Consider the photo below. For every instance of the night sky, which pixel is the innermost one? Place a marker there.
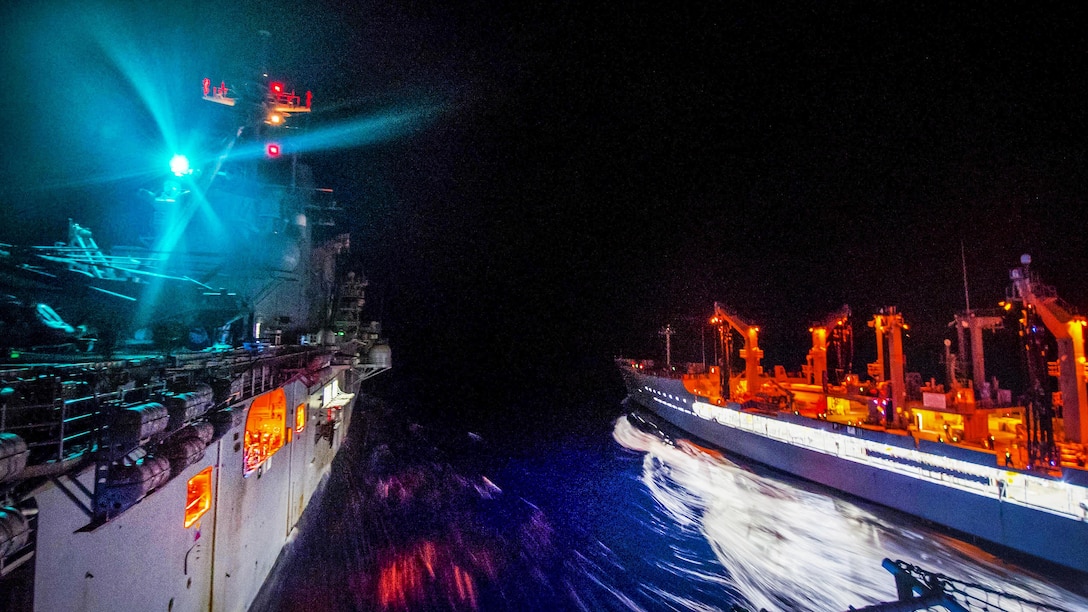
(579, 174)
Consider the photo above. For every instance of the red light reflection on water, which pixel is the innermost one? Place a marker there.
(427, 573)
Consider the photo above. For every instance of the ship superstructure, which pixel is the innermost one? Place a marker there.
(168, 408)
(961, 454)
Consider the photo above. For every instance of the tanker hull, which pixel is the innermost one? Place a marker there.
(962, 491)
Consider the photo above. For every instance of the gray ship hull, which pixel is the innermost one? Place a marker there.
(146, 559)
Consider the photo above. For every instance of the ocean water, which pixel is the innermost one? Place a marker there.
(606, 517)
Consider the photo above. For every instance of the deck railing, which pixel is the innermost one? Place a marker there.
(1047, 494)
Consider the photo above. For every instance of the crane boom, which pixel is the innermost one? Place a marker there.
(1068, 329)
(751, 353)
(817, 356)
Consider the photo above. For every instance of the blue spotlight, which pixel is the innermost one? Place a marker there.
(179, 165)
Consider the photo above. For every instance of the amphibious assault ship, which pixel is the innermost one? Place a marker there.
(169, 408)
(962, 453)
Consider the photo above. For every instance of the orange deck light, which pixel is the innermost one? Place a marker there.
(266, 428)
(199, 499)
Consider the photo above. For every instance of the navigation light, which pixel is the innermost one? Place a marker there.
(273, 150)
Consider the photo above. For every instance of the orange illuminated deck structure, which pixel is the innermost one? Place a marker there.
(300, 418)
(199, 498)
(265, 428)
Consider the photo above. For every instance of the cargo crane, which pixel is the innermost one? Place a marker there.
(973, 322)
(1040, 304)
(837, 330)
(726, 322)
(890, 362)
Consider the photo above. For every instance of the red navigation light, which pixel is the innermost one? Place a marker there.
(276, 87)
(272, 149)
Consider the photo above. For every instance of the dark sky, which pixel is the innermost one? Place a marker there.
(586, 172)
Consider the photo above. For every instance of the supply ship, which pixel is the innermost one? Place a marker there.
(169, 408)
(961, 454)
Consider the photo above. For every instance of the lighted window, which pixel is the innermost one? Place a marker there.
(300, 418)
(266, 427)
(200, 496)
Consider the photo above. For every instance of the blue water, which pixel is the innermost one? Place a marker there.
(604, 517)
(636, 555)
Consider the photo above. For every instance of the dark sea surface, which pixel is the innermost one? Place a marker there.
(579, 509)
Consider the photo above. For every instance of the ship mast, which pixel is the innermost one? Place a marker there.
(667, 331)
(966, 296)
(974, 322)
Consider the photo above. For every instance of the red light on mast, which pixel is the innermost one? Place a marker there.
(272, 149)
(276, 87)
